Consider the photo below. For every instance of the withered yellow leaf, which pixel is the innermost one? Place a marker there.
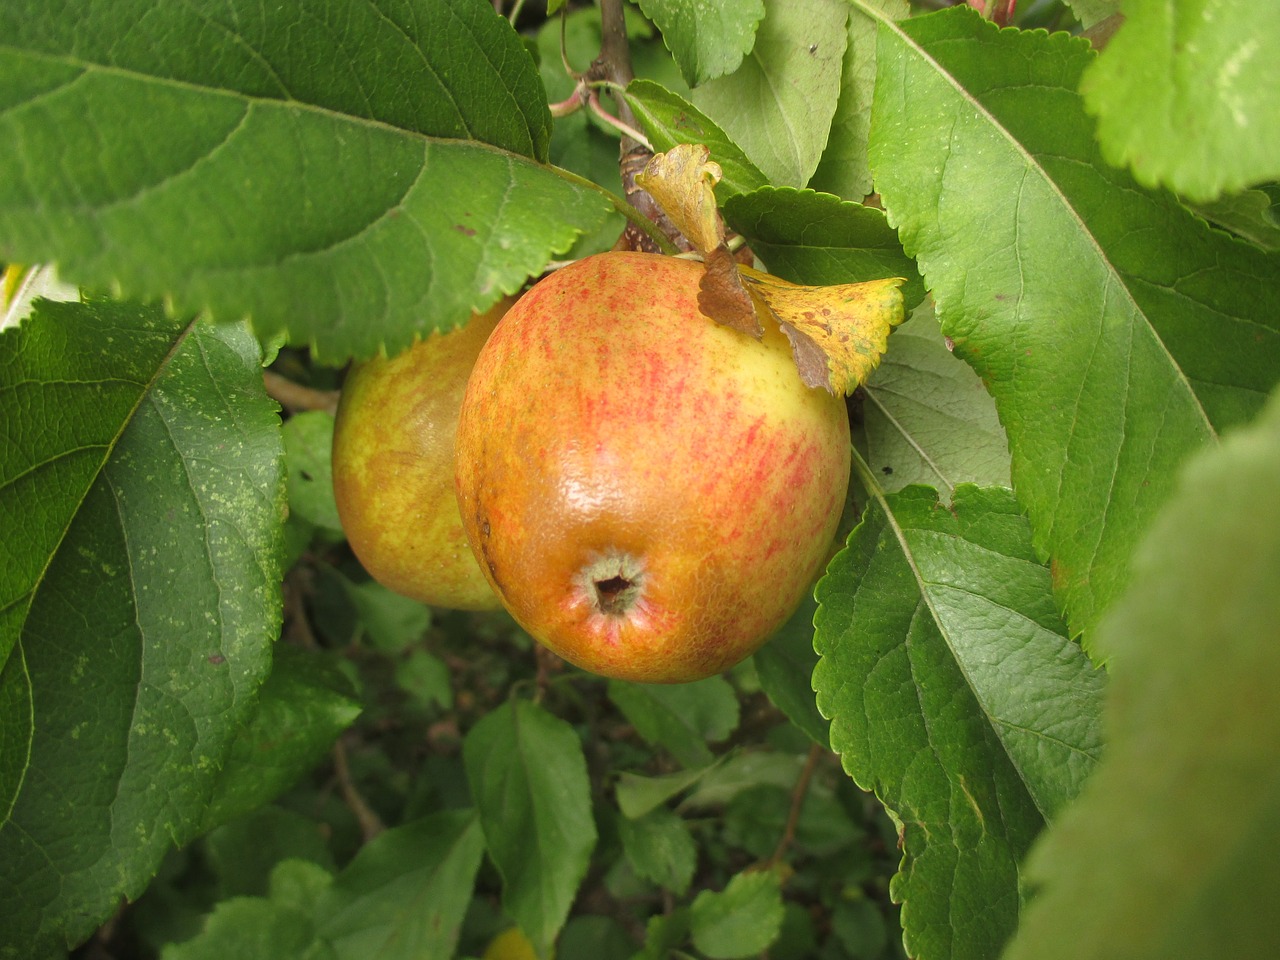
(838, 333)
(682, 182)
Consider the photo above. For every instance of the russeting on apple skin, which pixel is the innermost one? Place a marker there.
(649, 493)
(393, 468)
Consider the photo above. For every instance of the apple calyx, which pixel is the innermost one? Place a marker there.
(613, 583)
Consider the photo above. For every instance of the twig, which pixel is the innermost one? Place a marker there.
(294, 396)
(613, 67)
(628, 131)
(297, 585)
(370, 823)
(797, 804)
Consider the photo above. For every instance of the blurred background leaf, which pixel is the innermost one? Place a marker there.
(529, 780)
(1199, 115)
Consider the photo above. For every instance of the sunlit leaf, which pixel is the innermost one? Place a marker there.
(778, 105)
(1187, 95)
(707, 39)
(1116, 331)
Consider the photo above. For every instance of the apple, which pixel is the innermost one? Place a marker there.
(393, 468)
(649, 493)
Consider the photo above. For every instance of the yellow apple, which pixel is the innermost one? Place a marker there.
(393, 468)
(649, 493)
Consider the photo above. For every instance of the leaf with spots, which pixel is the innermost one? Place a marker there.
(138, 452)
(349, 173)
(838, 333)
(954, 693)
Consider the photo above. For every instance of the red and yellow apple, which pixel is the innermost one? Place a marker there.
(393, 468)
(648, 492)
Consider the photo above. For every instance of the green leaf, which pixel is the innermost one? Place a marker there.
(260, 928)
(1091, 12)
(859, 925)
(593, 937)
(1186, 94)
(460, 72)
(1174, 848)
(141, 454)
(927, 418)
(404, 895)
(242, 853)
(844, 169)
(817, 239)
(529, 780)
(954, 693)
(741, 772)
(708, 39)
(390, 622)
(785, 668)
(304, 705)
(683, 718)
(739, 921)
(1116, 331)
(660, 848)
(755, 820)
(669, 119)
(778, 105)
(308, 440)
(1250, 214)
(248, 167)
(426, 679)
(663, 933)
(639, 795)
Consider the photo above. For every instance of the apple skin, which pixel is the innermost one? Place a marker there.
(649, 493)
(393, 468)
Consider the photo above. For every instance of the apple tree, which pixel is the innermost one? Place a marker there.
(1029, 709)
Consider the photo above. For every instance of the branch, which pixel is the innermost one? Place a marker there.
(370, 823)
(797, 804)
(613, 68)
(294, 396)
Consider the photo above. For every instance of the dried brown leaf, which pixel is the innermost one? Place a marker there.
(838, 333)
(682, 182)
(723, 296)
